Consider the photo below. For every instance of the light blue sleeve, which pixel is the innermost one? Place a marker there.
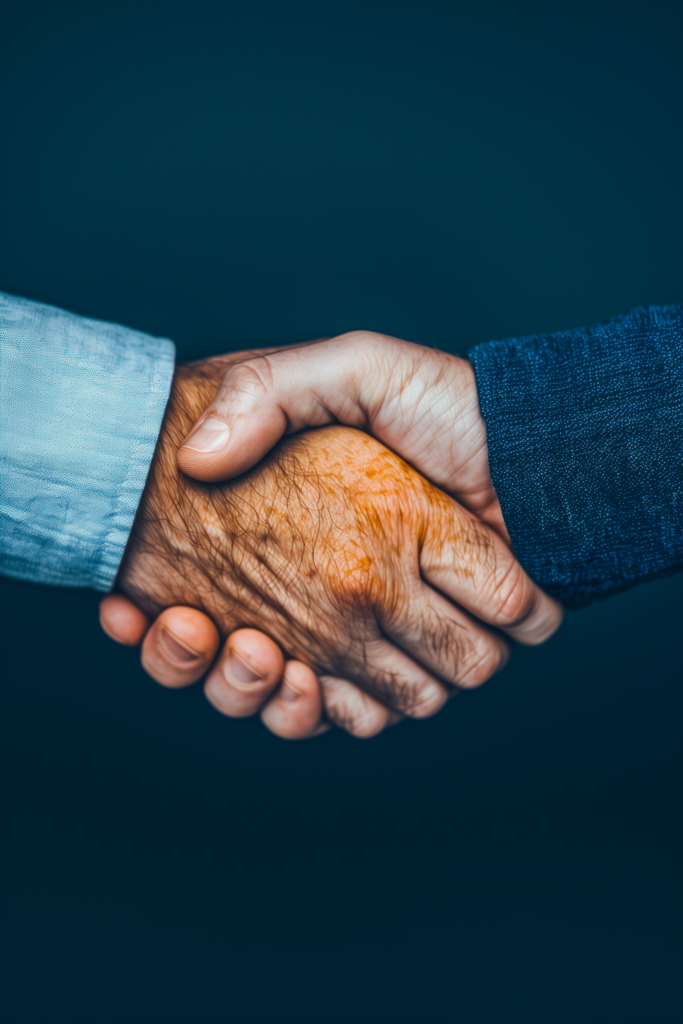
(81, 405)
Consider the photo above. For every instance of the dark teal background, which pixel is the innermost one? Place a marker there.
(234, 176)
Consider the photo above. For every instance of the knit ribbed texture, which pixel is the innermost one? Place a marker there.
(585, 437)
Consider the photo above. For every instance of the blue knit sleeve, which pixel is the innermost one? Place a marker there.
(585, 436)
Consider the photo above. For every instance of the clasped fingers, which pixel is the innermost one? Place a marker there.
(472, 565)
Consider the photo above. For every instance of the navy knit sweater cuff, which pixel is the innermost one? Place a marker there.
(585, 438)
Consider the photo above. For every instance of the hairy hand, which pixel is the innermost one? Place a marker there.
(422, 403)
(338, 550)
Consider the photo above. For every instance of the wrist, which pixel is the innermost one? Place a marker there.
(164, 514)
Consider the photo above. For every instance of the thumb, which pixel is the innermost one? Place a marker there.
(421, 403)
(242, 423)
(264, 398)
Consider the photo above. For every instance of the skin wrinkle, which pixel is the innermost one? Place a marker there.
(409, 407)
(319, 545)
(365, 722)
(435, 634)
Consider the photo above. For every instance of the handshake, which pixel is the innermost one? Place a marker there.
(359, 532)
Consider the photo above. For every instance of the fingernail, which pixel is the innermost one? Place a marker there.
(237, 671)
(175, 648)
(210, 436)
(288, 694)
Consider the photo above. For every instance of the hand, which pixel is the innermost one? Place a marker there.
(421, 403)
(180, 646)
(249, 676)
(323, 546)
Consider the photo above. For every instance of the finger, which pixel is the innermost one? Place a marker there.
(349, 708)
(295, 710)
(180, 646)
(443, 638)
(122, 620)
(247, 672)
(393, 678)
(263, 398)
(472, 565)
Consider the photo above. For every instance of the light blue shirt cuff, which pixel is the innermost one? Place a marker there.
(81, 405)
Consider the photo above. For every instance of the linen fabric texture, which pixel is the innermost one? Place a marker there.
(81, 406)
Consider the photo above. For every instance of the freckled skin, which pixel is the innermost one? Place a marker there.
(319, 546)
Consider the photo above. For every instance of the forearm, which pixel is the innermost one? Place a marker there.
(81, 403)
(585, 441)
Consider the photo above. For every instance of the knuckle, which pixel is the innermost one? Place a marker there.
(364, 350)
(367, 724)
(246, 381)
(488, 658)
(362, 722)
(547, 621)
(427, 701)
(352, 710)
(514, 597)
(364, 338)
